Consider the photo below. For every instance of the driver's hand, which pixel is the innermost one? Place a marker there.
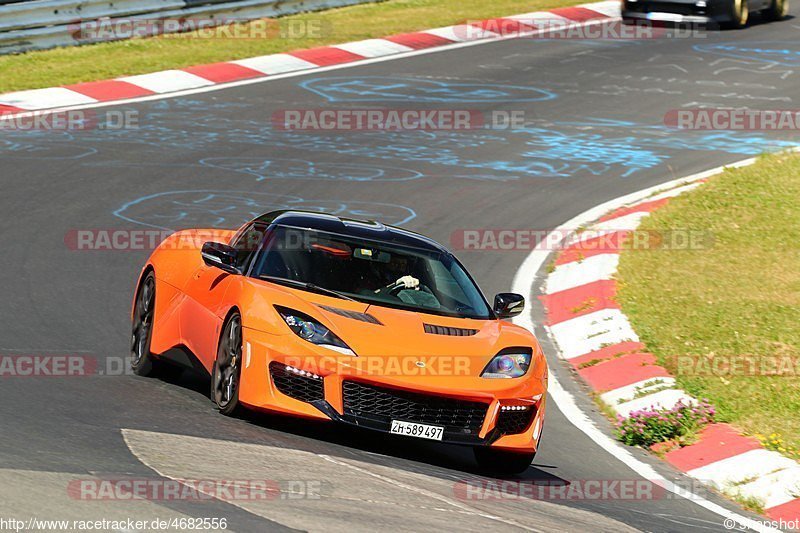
(409, 282)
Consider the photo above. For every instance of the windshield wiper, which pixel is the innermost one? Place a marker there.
(308, 286)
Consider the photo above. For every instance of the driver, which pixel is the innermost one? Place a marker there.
(406, 287)
(397, 266)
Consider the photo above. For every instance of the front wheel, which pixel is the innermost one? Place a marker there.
(228, 367)
(502, 461)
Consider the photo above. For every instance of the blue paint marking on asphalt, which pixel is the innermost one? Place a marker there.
(547, 150)
(26, 148)
(297, 169)
(543, 149)
(172, 210)
(782, 53)
(419, 90)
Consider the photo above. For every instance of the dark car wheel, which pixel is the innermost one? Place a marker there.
(501, 461)
(228, 367)
(143, 362)
(142, 327)
(778, 9)
(740, 14)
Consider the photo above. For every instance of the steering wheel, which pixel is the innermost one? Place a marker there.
(395, 288)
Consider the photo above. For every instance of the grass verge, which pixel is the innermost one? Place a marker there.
(64, 66)
(734, 305)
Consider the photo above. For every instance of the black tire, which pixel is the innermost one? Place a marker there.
(777, 10)
(740, 14)
(142, 327)
(227, 369)
(502, 461)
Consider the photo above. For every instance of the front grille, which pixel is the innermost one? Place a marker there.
(383, 405)
(433, 329)
(303, 388)
(665, 7)
(513, 422)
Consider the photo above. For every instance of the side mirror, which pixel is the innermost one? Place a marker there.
(508, 304)
(222, 256)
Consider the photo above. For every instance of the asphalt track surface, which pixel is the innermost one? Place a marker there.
(593, 132)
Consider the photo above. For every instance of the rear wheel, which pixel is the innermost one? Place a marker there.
(740, 14)
(227, 367)
(502, 461)
(778, 9)
(142, 326)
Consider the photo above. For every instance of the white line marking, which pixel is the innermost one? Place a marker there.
(576, 273)
(588, 333)
(53, 96)
(462, 32)
(610, 8)
(275, 64)
(373, 48)
(628, 392)
(167, 81)
(742, 467)
(665, 399)
(775, 489)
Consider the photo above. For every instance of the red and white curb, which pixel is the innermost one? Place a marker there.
(203, 76)
(596, 338)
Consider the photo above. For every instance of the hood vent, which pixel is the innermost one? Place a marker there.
(446, 330)
(355, 315)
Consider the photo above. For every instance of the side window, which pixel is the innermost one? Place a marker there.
(247, 242)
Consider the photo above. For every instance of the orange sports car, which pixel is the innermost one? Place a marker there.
(329, 318)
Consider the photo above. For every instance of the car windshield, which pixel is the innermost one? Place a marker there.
(373, 272)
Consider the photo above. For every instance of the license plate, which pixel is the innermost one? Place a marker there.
(412, 429)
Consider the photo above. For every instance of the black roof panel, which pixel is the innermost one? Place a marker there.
(363, 229)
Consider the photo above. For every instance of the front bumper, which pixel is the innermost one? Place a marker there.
(471, 409)
(698, 12)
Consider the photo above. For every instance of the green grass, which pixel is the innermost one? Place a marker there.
(63, 66)
(740, 296)
(749, 503)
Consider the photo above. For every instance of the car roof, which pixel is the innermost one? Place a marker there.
(360, 229)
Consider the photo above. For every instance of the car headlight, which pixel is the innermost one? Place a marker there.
(508, 365)
(312, 330)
